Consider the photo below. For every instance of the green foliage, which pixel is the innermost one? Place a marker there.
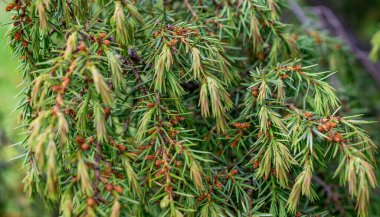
(374, 55)
(194, 108)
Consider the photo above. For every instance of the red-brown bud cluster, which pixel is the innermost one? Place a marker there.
(84, 146)
(241, 126)
(308, 114)
(255, 91)
(10, 7)
(284, 76)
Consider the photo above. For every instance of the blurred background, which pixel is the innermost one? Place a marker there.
(354, 22)
(13, 203)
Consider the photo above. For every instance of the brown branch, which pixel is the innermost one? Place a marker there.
(331, 195)
(330, 21)
(134, 60)
(97, 167)
(191, 9)
(297, 10)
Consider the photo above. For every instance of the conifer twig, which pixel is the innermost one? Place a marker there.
(335, 27)
(331, 194)
(188, 5)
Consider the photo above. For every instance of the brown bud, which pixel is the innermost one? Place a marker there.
(172, 133)
(121, 147)
(150, 157)
(106, 42)
(84, 147)
(284, 76)
(328, 126)
(259, 134)
(168, 188)
(10, 7)
(82, 46)
(150, 104)
(218, 152)
(17, 36)
(109, 187)
(107, 112)
(255, 91)
(174, 121)
(75, 178)
(338, 137)
(177, 162)
(234, 172)
(256, 164)
(274, 172)
(244, 125)
(143, 147)
(28, 20)
(308, 114)
(79, 140)
(218, 184)
(297, 67)
(208, 178)
(321, 128)
(180, 118)
(100, 52)
(150, 132)
(159, 162)
(234, 143)
(173, 42)
(91, 139)
(118, 189)
(90, 202)
(102, 35)
(201, 197)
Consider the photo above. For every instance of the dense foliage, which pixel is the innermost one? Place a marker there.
(183, 108)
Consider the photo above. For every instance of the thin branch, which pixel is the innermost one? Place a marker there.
(191, 9)
(335, 27)
(135, 59)
(297, 10)
(332, 23)
(97, 167)
(331, 195)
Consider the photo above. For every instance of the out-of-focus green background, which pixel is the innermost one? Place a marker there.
(9, 78)
(10, 187)
(362, 18)
(13, 203)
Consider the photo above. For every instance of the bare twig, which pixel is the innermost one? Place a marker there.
(331, 195)
(97, 167)
(126, 125)
(335, 27)
(188, 5)
(135, 60)
(297, 10)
